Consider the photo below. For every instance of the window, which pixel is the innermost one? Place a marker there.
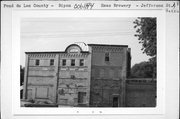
(81, 97)
(107, 57)
(37, 62)
(73, 62)
(51, 62)
(81, 62)
(63, 62)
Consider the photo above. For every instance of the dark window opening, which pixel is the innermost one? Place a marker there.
(107, 57)
(72, 77)
(63, 62)
(51, 62)
(81, 62)
(73, 62)
(37, 62)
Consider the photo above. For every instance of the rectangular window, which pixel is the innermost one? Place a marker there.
(107, 57)
(63, 62)
(37, 62)
(81, 62)
(73, 62)
(81, 97)
(51, 62)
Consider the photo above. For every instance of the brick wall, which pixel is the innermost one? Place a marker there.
(40, 80)
(108, 76)
(74, 81)
(140, 93)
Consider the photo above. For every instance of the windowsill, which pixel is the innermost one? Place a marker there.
(107, 62)
(73, 66)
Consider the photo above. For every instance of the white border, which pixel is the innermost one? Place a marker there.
(18, 15)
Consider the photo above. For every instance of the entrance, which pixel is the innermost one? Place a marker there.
(115, 102)
(81, 97)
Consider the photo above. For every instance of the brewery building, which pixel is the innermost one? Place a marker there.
(92, 75)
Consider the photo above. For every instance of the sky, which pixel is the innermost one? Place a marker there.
(55, 34)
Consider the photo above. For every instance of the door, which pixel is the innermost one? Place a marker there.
(81, 97)
(115, 102)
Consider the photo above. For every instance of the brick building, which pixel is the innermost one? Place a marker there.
(82, 75)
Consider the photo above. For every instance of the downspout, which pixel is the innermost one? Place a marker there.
(57, 74)
(25, 85)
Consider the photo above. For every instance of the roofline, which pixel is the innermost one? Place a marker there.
(73, 45)
(107, 45)
(43, 52)
(54, 52)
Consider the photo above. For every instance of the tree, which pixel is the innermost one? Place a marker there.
(147, 36)
(21, 75)
(142, 70)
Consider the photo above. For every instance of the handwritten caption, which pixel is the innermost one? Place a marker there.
(87, 6)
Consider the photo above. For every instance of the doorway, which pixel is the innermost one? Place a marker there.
(115, 102)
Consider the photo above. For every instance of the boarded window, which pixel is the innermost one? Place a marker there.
(81, 97)
(37, 62)
(51, 62)
(64, 62)
(42, 92)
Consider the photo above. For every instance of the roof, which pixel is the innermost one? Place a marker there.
(54, 52)
(108, 45)
(36, 52)
(82, 45)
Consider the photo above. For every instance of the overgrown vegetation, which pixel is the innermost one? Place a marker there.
(147, 35)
